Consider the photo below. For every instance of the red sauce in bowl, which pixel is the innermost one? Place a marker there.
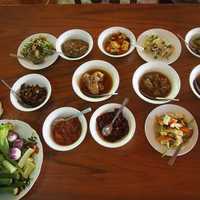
(66, 132)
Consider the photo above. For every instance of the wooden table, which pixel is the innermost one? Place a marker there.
(92, 172)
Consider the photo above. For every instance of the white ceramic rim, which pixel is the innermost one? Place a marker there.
(106, 108)
(112, 30)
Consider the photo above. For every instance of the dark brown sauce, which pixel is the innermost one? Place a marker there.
(154, 84)
(74, 48)
(66, 132)
(104, 86)
(196, 84)
(120, 126)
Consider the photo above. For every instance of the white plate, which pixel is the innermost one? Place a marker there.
(63, 112)
(166, 36)
(108, 32)
(163, 68)
(95, 64)
(150, 128)
(25, 131)
(49, 60)
(109, 108)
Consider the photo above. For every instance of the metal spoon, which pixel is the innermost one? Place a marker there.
(173, 158)
(139, 47)
(78, 114)
(190, 45)
(15, 94)
(108, 129)
(101, 95)
(160, 98)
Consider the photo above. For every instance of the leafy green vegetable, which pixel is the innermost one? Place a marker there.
(4, 130)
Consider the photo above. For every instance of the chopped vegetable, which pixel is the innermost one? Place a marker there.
(5, 181)
(4, 130)
(37, 49)
(18, 143)
(12, 136)
(15, 153)
(25, 157)
(10, 189)
(11, 168)
(173, 130)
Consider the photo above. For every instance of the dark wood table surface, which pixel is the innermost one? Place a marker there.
(135, 171)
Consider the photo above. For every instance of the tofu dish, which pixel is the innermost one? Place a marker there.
(172, 130)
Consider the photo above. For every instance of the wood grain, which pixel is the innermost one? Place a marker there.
(135, 171)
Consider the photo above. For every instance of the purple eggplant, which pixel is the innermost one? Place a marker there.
(15, 153)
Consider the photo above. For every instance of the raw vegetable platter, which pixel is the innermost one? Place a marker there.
(25, 131)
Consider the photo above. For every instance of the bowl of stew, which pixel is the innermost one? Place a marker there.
(95, 78)
(64, 135)
(123, 128)
(156, 79)
(74, 44)
(116, 42)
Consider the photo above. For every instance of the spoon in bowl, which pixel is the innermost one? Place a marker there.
(78, 114)
(106, 131)
(101, 95)
(15, 94)
(159, 98)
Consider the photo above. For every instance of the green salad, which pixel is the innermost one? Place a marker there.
(37, 49)
(16, 159)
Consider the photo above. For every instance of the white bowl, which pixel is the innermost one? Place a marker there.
(95, 64)
(192, 33)
(74, 34)
(49, 60)
(26, 131)
(109, 108)
(193, 75)
(150, 128)
(62, 112)
(30, 79)
(106, 33)
(163, 68)
(166, 36)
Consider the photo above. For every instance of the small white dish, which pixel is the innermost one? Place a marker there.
(74, 34)
(106, 33)
(95, 64)
(109, 108)
(160, 67)
(30, 79)
(26, 131)
(193, 75)
(195, 32)
(150, 128)
(49, 60)
(166, 36)
(62, 112)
